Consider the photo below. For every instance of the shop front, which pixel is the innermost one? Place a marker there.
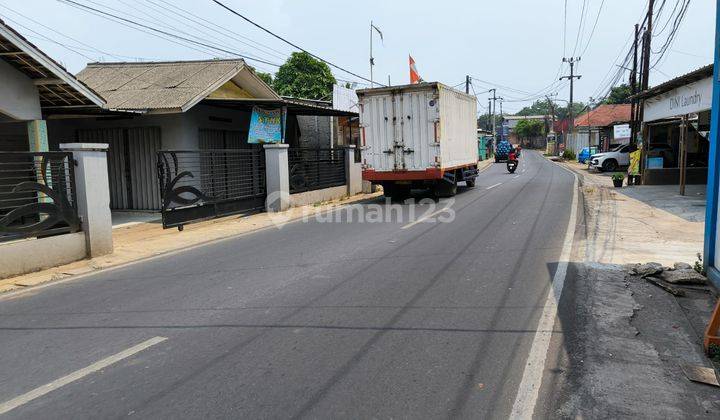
(676, 127)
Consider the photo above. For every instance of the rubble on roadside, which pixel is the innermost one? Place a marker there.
(667, 278)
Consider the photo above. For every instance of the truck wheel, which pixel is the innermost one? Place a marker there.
(396, 192)
(445, 189)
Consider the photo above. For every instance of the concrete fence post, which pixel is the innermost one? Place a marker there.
(353, 171)
(277, 177)
(92, 190)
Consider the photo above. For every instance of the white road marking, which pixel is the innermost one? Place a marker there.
(529, 389)
(424, 218)
(516, 176)
(493, 186)
(78, 374)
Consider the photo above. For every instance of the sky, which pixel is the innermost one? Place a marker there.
(515, 46)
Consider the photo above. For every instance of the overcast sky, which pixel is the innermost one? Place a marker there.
(517, 44)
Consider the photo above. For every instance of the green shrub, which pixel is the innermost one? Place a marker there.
(618, 176)
(568, 154)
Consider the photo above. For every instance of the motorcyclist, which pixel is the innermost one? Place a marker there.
(512, 160)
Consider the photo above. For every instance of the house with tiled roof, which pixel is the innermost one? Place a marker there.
(178, 105)
(596, 127)
(605, 115)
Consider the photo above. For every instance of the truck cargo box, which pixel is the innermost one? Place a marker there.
(417, 132)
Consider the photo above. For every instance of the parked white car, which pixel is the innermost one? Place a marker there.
(612, 160)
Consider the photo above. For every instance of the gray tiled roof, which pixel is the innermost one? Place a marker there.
(158, 85)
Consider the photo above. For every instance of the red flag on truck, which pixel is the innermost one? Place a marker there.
(414, 76)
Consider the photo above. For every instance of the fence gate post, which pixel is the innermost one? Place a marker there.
(353, 171)
(93, 195)
(277, 177)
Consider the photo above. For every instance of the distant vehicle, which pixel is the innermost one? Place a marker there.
(585, 154)
(612, 160)
(663, 150)
(418, 136)
(502, 149)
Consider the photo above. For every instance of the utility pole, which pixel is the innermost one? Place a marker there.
(467, 84)
(646, 46)
(489, 124)
(572, 77)
(644, 79)
(494, 98)
(389, 84)
(551, 106)
(502, 130)
(633, 87)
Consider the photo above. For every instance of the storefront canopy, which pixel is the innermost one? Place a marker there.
(687, 94)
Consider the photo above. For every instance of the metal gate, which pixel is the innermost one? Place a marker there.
(314, 168)
(204, 184)
(131, 165)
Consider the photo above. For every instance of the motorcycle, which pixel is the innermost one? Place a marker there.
(512, 162)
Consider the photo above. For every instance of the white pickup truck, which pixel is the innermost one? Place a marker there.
(612, 160)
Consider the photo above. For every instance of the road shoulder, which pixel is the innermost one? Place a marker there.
(622, 339)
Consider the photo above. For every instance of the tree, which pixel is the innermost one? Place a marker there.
(265, 77)
(484, 121)
(529, 128)
(539, 107)
(561, 112)
(619, 95)
(542, 107)
(302, 76)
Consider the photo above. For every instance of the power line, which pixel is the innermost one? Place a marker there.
(170, 34)
(89, 47)
(219, 3)
(580, 27)
(202, 22)
(673, 32)
(130, 24)
(592, 32)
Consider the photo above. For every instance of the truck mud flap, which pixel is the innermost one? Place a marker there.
(449, 177)
(470, 173)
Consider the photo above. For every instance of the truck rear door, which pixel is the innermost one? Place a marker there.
(418, 128)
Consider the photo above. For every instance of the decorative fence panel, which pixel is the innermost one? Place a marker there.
(314, 169)
(37, 194)
(204, 184)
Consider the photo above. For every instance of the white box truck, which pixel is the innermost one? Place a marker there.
(418, 136)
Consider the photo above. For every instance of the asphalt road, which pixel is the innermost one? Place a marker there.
(318, 319)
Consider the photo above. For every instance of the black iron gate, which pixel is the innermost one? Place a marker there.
(315, 168)
(204, 184)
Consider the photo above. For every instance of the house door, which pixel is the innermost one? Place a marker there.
(132, 172)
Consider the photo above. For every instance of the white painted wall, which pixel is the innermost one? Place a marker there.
(28, 255)
(19, 97)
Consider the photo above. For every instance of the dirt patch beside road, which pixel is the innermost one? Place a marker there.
(622, 229)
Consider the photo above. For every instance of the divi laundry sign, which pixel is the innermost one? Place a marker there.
(267, 125)
(691, 98)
